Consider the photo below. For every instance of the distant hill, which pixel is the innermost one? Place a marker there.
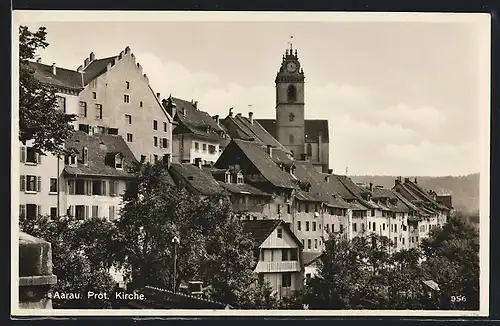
(464, 189)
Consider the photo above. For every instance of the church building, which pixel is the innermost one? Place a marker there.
(307, 139)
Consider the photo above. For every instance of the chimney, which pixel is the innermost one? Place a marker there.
(92, 56)
(86, 62)
(330, 171)
(197, 162)
(327, 178)
(371, 186)
(270, 150)
(195, 104)
(158, 95)
(415, 179)
(230, 112)
(303, 157)
(216, 118)
(54, 69)
(250, 117)
(239, 114)
(407, 179)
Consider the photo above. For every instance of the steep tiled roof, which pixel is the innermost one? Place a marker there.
(310, 257)
(243, 189)
(96, 68)
(418, 191)
(99, 146)
(66, 78)
(313, 128)
(308, 196)
(265, 164)
(261, 229)
(200, 179)
(197, 121)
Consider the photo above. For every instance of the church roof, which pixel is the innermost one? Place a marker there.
(313, 128)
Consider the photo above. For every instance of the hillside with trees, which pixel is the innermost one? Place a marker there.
(464, 189)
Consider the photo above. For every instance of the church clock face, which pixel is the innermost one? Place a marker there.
(291, 66)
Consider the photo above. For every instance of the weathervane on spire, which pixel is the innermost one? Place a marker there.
(290, 42)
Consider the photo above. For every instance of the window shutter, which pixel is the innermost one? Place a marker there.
(38, 158)
(22, 211)
(71, 210)
(111, 212)
(71, 186)
(89, 187)
(86, 212)
(38, 210)
(23, 183)
(39, 184)
(23, 154)
(104, 193)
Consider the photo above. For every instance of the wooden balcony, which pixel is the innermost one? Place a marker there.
(277, 266)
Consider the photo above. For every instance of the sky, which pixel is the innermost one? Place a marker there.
(401, 98)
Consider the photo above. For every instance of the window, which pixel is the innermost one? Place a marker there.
(61, 103)
(94, 95)
(98, 187)
(80, 211)
(416, 239)
(309, 150)
(341, 228)
(327, 227)
(128, 119)
(395, 228)
(141, 104)
(33, 183)
(303, 243)
(155, 158)
(112, 131)
(333, 228)
(284, 254)
(280, 232)
(362, 227)
(314, 226)
(83, 109)
(70, 160)
(315, 243)
(113, 188)
(155, 141)
(373, 212)
(126, 98)
(262, 256)
(291, 116)
(85, 156)
(403, 239)
(307, 225)
(118, 161)
(77, 186)
(374, 226)
(291, 93)
(29, 155)
(98, 111)
(155, 125)
(294, 255)
(383, 226)
(53, 185)
(239, 180)
(93, 83)
(308, 243)
(286, 280)
(95, 211)
(127, 84)
(227, 177)
(100, 130)
(204, 147)
(196, 146)
(307, 207)
(299, 226)
(354, 227)
(32, 211)
(291, 139)
(130, 137)
(165, 127)
(53, 213)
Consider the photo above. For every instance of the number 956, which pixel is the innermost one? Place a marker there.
(458, 298)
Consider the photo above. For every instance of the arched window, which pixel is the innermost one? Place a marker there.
(309, 150)
(291, 93)
(291, 138)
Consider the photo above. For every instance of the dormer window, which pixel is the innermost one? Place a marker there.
(239, 178)
(227, 178)
(118, 161)
(85, 156)
(70, 160)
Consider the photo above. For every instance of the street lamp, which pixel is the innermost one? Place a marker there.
(175, 242)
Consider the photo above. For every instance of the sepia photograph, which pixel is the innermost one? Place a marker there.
(250, 163)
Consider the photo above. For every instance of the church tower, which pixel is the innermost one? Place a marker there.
(290, 104)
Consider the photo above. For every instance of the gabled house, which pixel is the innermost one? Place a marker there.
(278, 255)
(96, 177)
(196, 134)
(312, 263)
(255, 163)
(196, 178)
(40, 175)
(117, 99)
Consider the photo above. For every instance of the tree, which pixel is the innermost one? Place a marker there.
(81, 256)
(213, 247)
(39, 120)
(452, 260)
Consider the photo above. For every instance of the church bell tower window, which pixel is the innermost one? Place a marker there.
(291, 93)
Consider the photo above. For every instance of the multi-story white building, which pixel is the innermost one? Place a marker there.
(278, 255)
